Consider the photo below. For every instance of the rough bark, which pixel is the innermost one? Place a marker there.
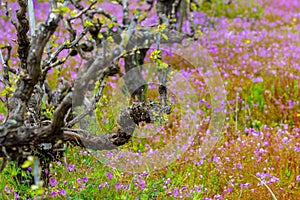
(20, 138)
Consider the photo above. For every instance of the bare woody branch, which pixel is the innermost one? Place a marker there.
(32, 64)
(17, 137)
(22, 27)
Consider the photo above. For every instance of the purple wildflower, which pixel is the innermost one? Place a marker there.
(218, 196)
(16, 195)
(245, 185)
(52, 182)
(142, 184)
(298, 178)
(85, 179)
(71, 168)
(62, 192)
(53, 193)
(118, 186)
(109, 175)
(176, 192)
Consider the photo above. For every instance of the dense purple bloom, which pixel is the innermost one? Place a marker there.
(257, 80)
(267, 178)
(243, 58)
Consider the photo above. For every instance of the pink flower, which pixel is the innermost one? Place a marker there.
(71, 168)
(298, 177)
(52, 182)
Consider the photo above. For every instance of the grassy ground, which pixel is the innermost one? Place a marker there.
(256, 48)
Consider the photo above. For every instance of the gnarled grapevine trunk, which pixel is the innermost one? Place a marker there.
(27, 129)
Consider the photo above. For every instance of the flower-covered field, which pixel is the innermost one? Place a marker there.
(256, 47)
